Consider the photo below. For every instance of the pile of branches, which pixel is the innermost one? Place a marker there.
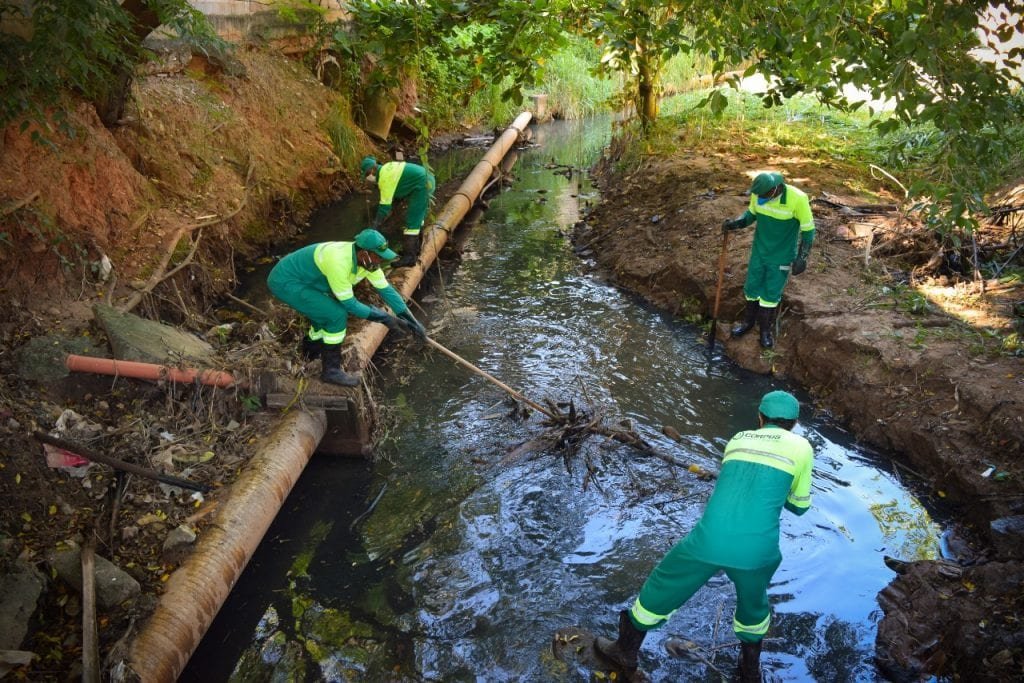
(567, 428)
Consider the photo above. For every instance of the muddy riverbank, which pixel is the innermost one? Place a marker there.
(906, 365)
(158, 215)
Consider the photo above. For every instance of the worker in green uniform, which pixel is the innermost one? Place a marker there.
(782, 241)
(402, 180)
(763, 471)
(317, 281)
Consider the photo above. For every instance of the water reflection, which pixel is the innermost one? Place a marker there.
(564, 556)
(471, 561)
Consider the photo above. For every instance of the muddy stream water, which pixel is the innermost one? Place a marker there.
(439, 561)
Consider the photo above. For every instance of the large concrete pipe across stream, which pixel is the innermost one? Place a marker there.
(366, 341)
(197, 589)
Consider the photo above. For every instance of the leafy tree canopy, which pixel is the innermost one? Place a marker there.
(520, 35)
(921, 57)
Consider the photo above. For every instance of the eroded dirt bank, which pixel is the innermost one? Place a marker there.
(210, 166)
(909, 369)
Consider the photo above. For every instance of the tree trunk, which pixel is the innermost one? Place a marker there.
(647, 92)
(110, 104)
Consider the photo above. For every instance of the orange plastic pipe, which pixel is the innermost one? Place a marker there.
(150, 371)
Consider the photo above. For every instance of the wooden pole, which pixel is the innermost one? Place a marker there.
(89, 454)
(718, 292)
(490, 378)
(626, 438)
(90, 634)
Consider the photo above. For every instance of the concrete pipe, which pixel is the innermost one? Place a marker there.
(196, 591)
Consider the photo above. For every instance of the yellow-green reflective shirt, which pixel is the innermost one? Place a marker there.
(387, 180)
(763, 471)
(779, 223)
(337, 262)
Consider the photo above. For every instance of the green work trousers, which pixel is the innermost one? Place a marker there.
(419, 204)
(327, 316)
(680, 574)
(765, 281)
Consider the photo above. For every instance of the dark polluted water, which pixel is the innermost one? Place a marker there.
(470, 560)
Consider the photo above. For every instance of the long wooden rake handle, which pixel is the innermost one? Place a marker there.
(718, 291)
(622, 437)
(494, 380)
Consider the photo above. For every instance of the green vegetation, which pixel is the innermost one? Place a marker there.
(86, 46)
(802, 124)
(952, 122)
(574, 89)
(342, 133)
(958, 115)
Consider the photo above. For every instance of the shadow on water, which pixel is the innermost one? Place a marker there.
(467, 565)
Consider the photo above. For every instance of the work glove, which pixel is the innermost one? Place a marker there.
(415, 327)
(799, 264)
(393, 324)
(733, 224)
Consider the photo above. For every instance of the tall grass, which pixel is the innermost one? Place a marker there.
(574, 90)
(341, 130)
(680, 72)
(451, 92)
(801, 123)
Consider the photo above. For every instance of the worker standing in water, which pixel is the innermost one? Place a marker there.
(764, 471)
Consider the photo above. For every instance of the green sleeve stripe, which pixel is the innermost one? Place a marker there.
(796, 509)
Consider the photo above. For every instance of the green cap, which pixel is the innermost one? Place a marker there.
(367, 164)
(371, 240)
(765, 183)
(779, 405)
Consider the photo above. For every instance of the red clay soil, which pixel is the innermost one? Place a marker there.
(208, 169)
(912, 367)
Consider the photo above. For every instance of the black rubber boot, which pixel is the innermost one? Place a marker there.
(766, 324)
(623, 652)
(330, 357)
(410, 251)
(749, 318)
(310, 349)
(749, 670)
